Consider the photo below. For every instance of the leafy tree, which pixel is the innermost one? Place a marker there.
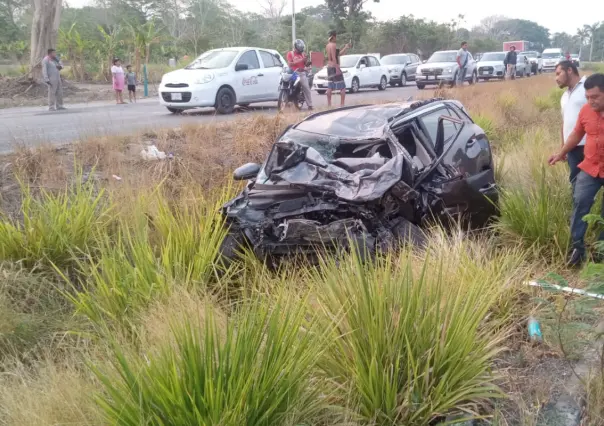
(592, 31)
(348, 16)
(522, 29)
(564, 41)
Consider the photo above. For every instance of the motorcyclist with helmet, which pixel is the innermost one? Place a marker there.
(298, 61)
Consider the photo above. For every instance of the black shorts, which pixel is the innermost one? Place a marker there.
(131, 88)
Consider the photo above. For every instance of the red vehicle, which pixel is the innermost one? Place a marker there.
(521, 46)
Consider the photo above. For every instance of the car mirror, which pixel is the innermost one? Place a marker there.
(408, 63)
(424, 61)
(241, 67)
(361, 66)
(538, 56)
(247, 171)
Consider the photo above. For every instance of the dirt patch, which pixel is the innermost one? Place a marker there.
(24, 88)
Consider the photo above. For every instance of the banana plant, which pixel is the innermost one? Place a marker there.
(108, 47)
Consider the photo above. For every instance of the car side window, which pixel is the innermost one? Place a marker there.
(268, 59)
(250, 59)
(416, 59)
(373, 62)
(404, 59)
(430, 124)
(364, 61)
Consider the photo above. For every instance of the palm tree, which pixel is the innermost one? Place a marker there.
(591, 30)
(582, 35)
(143, 37)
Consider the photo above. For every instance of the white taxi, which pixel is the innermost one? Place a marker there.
(359, 71)
(223, 79)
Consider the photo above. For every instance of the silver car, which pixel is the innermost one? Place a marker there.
(442, 68)
(401, 67)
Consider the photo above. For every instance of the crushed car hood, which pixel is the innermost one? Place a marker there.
(304, 159)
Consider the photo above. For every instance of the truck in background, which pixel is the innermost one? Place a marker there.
(521, 46)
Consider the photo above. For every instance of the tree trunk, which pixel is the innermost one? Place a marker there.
(591, 47)
(44, 30)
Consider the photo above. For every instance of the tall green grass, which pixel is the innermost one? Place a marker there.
(410, 344)
(537, 215)
(257, 371)
(147, 257)
(55, 225)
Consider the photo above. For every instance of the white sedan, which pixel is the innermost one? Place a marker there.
(360, 71)
(224, 78)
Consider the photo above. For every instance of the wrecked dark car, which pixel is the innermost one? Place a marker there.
(372, 175)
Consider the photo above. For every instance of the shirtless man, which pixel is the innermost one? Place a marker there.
(334, 73)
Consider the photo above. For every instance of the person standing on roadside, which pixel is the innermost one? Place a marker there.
(297, 61)
(510, 61)
(117, 73)
(590, 179)
(462, 60)
(335, 77)
(131, 82)
(51, 73)
(573, 99)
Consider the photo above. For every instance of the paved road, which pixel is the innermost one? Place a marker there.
(34, 125)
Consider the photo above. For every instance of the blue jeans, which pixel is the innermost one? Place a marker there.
(585, 190)
(461, 76)
(574, 158)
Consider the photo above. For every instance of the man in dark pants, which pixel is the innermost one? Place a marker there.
(591, 175)
(573, 99)
(511, 58)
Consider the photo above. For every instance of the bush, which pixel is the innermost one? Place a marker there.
(54, 226)
(537, 216)
(408, 347)
(256, 372)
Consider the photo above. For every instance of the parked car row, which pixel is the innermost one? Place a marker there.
(492, 66)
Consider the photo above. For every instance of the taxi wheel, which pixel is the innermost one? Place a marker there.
(225, 101)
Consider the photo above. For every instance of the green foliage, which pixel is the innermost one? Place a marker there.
(537, 215)
(256, 372)
(392, 360)
(487, 124)
(145, 261)
(54, 226)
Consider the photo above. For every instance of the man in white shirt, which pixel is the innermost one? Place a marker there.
(567, 76)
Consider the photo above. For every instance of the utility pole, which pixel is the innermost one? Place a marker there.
(293, 21)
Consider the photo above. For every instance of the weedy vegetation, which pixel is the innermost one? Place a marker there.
(116, 309)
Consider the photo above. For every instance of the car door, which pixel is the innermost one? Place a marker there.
(411, 67)
(376, 70)
(364, 73)
(471, 66)
(272, 68)
(466, 152)
(249, 77)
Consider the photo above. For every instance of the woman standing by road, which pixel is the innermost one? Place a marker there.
(118, 80)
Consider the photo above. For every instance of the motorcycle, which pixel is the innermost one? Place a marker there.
(290, 89)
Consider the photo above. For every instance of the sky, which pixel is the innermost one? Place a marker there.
(544, 13)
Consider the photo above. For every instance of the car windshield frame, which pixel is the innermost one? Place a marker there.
(400, 58)
(211, 60)
(442, 57)
(349, 58)
(493, 56)
(551, 55)
(530, 54)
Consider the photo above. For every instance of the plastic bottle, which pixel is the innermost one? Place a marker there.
(534, 329)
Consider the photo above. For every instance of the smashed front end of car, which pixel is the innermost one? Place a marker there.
(317, 190)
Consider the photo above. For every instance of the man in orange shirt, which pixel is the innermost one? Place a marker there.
(591, 177)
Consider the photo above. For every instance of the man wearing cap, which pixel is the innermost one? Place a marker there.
(334, 73)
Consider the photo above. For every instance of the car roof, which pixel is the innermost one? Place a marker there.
(363, 121)
(398, 54)
(486, 53)
(446, 51)
(241, 48)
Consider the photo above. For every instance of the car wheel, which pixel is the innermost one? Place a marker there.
(354, 87)
(383, 83)
(225, 100)
(420, 86)
(403, 82)
(474, 78)
(174, 110)
(321, 92)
